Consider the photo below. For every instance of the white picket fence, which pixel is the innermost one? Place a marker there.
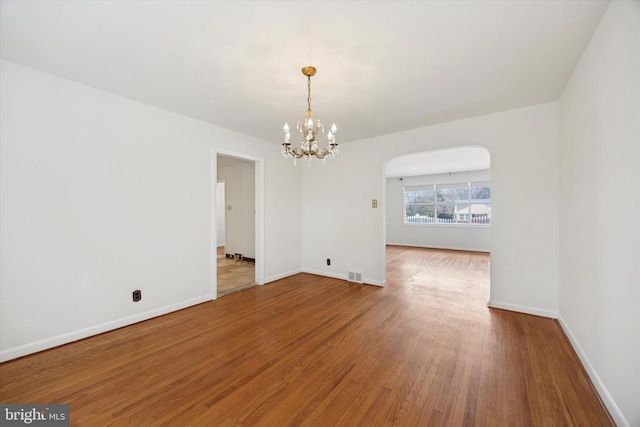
(432, 220)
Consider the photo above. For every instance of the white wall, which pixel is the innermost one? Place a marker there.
(101, 195)
(458, 237)
(240, 208)
(339, 222)
(599, 229)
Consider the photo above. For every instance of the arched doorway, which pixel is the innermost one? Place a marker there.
(439, 200)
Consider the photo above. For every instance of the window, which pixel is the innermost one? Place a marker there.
(465, 203)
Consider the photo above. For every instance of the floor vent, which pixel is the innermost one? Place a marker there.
(355, 276)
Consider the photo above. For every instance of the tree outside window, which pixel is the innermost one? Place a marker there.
(464, 203)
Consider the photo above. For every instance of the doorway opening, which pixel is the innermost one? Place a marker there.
(237, 222)
(439, 200)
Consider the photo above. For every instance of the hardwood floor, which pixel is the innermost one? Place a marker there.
(315, 351)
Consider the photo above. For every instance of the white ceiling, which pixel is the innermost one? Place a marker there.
(383, 66)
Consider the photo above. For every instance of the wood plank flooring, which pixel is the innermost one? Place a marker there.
(314, 351)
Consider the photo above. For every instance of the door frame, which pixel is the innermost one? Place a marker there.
(259, 214)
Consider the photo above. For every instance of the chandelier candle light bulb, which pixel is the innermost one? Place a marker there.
(309, 130)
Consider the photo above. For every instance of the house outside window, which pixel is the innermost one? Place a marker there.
(461, 204)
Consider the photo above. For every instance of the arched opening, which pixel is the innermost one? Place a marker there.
(439, 200)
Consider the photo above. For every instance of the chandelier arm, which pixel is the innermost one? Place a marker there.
(294, 152)
(323, 153)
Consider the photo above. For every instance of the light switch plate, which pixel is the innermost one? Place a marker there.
(374, 203)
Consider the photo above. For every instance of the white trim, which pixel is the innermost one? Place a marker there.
(213, 255)
(374, 282)
(449, 248)
(345, 277)
(383, 248)
(325, 274)
(452, 225)
(282, 275)
(259, 213)
(523, 309)
(23, 350)
(435, 185)
(606, 398)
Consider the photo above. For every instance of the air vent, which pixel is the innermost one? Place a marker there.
(355, 276)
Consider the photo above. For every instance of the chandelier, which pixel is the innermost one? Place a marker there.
(309, 129)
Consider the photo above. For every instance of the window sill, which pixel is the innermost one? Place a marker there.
(418, 224)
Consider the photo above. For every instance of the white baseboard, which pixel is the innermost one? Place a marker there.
(374, 282)
(606, 398)
(448, 248)
(69, 337)
(604, 394)
(322, 273)
(325, 274)
(281, 276)
(523, 309)
(365, 280)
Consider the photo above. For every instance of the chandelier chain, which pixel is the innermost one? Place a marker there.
(309, 93)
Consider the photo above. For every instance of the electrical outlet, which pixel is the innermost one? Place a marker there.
(137, 295)
(328, 261)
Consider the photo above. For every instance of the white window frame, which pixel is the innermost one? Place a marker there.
(434, 221)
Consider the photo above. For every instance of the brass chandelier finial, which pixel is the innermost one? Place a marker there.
(309, 129)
